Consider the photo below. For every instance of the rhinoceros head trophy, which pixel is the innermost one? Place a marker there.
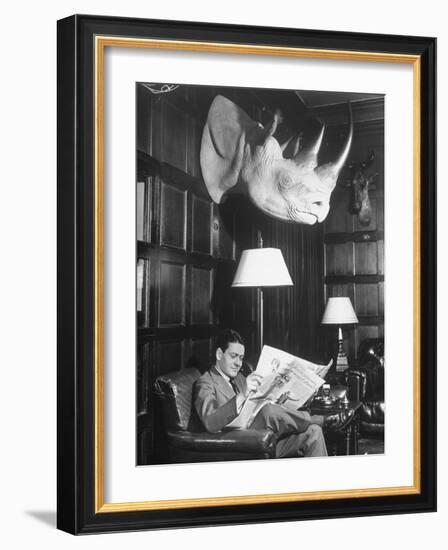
(239, 155)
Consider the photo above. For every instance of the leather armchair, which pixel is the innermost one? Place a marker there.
(371, 369)
(186, 437)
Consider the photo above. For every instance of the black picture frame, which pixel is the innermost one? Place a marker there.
(79, 491)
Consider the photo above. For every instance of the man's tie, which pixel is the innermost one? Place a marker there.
(234, 386)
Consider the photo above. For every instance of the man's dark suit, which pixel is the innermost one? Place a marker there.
(215, 404)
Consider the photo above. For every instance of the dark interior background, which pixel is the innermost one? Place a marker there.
(188, 247)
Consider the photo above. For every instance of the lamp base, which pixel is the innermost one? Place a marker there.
(341, 362)
(341, 358)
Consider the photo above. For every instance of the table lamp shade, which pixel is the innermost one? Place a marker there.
(260, 267)
(339, 311)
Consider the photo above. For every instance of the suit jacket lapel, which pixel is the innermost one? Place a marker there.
(221, 385)
(240, 381)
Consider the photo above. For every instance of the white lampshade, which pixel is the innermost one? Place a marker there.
(339, 311)
(260, 267)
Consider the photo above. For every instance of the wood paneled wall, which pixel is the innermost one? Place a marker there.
(354, 253)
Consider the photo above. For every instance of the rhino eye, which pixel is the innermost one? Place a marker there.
(285, 182)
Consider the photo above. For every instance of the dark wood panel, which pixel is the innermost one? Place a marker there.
(339, 259)
(143, 377)
(144, 217)
(157, 128)
(172, 299)
(350, 342)
(143, 296)
(366, 258)
(194, 134)
(147, 165)
(366, 331)
(140, 210)
(173, 332)
(371, 320)
(201, 223)
(169, 356)
(145, 416)
(356, 236)
(174, 137)
(201, 295)
(381, 298)
(342, 289)
(358, 279)
(184, 181)
(381, 257)
(173, 216)
(339, 219)
(143, 122)
(147, 250)
(368, 115)
(201, 351)
(366, 300)
(224, 232)
(380, 211)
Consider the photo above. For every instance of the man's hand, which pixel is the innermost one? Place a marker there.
(252, 383)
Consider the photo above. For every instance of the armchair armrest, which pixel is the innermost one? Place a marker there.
(244, 441)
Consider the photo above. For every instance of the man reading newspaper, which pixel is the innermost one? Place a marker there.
(267, 399)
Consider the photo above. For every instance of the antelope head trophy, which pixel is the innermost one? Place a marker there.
(360, 181)
(239, 155)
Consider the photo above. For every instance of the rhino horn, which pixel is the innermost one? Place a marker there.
(297, 145)
(291, 146)
(337, 166)
(308, 157)
(284, 145)
(329, 172)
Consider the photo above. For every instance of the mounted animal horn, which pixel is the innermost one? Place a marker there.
(307, 158)
(329, 172)
(284, 145)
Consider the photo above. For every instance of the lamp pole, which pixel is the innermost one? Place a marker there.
(257, 268)
(260, 301)
(260, 316)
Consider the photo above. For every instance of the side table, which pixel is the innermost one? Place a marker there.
(349, 433)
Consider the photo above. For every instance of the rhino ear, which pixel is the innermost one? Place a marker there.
(223, 139)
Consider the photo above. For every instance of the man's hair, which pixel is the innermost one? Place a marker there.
(226, 337)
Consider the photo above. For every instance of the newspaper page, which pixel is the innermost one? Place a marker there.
(286, 380)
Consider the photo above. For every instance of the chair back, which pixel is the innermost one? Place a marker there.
(371, 349)
(176, 393)
(371, 358)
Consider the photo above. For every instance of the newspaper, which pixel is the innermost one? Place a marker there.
(286, 380)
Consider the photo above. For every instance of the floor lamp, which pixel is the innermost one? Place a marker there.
(259, 268)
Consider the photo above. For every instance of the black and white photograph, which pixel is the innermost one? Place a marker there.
(259, 273)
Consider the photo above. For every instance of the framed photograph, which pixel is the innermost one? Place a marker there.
(246, 274)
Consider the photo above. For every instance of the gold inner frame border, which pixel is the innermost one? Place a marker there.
(100, 44)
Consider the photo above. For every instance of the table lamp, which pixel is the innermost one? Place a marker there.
(339, 311)
(258, 268)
